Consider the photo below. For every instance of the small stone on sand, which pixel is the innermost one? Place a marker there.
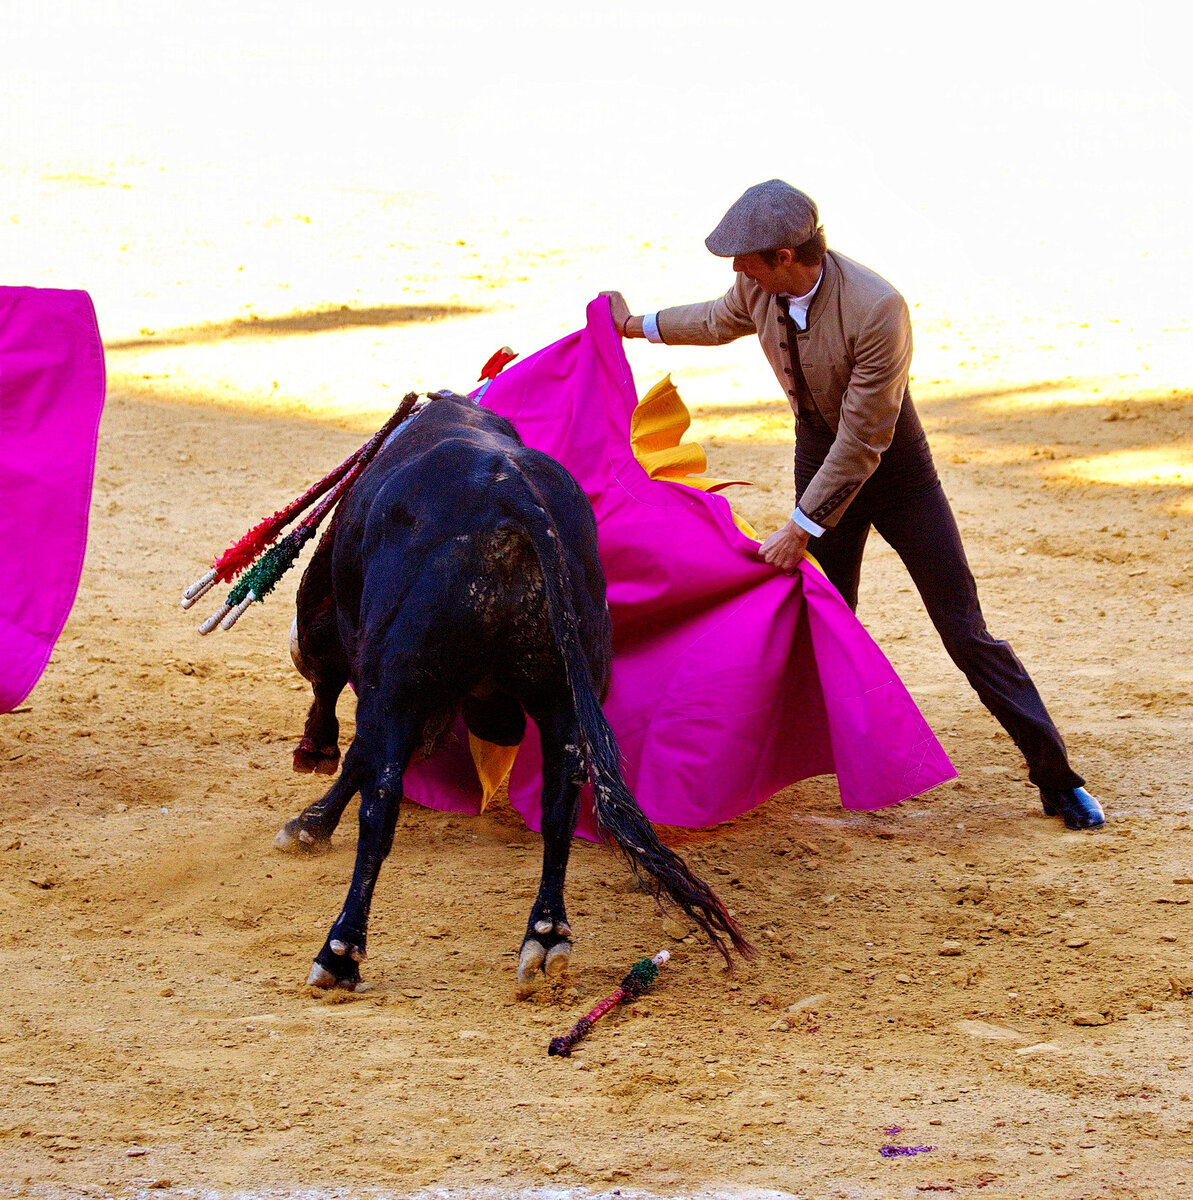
(809, 1003)
(1090, 1018)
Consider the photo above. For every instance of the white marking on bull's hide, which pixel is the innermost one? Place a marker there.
(501, 477)
(295, 652)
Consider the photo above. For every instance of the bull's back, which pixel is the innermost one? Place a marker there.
(456, 471)
(437, 534)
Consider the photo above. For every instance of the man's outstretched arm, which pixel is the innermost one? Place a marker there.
(711, 323)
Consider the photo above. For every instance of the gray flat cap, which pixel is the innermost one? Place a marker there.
(767, 216)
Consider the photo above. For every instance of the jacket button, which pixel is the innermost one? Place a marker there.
(786, 370)
(791, 391)
(782, 345)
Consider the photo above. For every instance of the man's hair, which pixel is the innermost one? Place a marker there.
(810, 254)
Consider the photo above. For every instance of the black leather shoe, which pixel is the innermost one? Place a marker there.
(1079, 809)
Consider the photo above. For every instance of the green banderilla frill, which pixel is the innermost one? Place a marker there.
(263, 576)
(642, 974)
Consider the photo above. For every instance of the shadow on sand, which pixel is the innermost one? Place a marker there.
(314, 321)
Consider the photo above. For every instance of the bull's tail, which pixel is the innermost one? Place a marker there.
(619, 818)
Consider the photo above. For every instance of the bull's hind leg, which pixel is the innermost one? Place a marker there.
(548, 941)
(338, 963)
(311, 830)
(318, 654)
(319, 750)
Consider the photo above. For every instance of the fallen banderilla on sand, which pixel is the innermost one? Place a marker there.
(642, 974)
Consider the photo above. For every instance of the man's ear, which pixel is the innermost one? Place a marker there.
(784, 256)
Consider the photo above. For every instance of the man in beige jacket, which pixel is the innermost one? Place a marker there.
(838, 338)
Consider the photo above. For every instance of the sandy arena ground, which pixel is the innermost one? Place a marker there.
(1014, 996)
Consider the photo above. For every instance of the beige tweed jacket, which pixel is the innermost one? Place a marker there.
(855, 355)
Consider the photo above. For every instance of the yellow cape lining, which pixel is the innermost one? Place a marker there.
(658, 423)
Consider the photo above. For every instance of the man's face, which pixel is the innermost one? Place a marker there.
(770, 279)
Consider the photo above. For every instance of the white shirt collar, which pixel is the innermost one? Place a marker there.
(798, 306)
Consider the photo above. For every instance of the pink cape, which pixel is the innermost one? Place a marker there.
(51, 396)
(730, 680)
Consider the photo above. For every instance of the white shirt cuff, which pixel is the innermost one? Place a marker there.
(807, 523)
(650, 327)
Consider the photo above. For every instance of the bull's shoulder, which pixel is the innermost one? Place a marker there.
(459, 414)
(546, 472)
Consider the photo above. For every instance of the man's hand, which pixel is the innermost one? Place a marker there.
(619, 310)
(785, 547)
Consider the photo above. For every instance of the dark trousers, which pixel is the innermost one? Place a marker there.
(904, 501)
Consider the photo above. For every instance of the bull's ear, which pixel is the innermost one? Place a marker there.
(448, 394)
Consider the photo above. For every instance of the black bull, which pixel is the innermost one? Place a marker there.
(461, 576)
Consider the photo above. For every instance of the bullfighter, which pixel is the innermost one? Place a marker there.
(838, 337)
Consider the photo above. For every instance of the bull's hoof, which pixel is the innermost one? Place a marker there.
(320, 977)
(293, 838)
(338, 965)
(558, 958)
(312, 759)
(545, 955)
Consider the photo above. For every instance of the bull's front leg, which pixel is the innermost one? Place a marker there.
(311, 830)
(548, 941)
(338, 963)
